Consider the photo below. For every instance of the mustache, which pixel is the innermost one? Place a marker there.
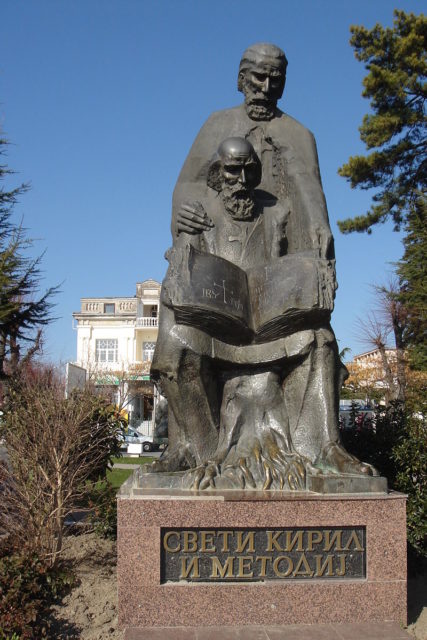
(238, 191)
(260, 99)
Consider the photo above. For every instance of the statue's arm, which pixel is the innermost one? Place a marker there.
(312, 231)
(192, 219)
(319, 229)
(177, 257)
(312, 199)
(191, 184)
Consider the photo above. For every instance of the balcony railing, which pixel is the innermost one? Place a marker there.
(142, 323)
(109, 306)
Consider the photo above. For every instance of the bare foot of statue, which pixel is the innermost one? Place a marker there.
(261, 462)
(336, 459)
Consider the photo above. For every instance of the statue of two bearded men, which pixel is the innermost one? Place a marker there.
(252, 410)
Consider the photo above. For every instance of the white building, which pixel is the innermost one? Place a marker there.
(372, 359)
(374, 372)
(115, 344)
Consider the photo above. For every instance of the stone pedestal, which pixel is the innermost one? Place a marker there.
(292, 591)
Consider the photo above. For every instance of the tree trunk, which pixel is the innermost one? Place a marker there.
(3, 339)
(14, 352)
(391, 389)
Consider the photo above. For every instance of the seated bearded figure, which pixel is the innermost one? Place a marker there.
(254, 413)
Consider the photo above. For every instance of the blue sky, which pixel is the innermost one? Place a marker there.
(102, 99)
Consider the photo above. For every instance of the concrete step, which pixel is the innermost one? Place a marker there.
(360, 631)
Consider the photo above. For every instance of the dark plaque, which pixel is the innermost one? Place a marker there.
(246, 555)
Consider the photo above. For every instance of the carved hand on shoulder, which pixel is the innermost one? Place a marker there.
(192, 218)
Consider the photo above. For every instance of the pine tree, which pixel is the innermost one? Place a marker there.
(396, 168)
(412, 272)
(23, 311)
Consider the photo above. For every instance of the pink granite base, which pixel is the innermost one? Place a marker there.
(145, 602)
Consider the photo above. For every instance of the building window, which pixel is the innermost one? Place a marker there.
(154, 312)
(148, 350)
(110, 307)
(106, 350)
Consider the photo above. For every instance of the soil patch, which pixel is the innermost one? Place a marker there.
(89, 611)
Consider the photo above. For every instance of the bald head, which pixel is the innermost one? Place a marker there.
(235, 148)
(235, 172)
(234, 159)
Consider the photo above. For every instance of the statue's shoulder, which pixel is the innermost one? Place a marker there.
(220, 125)
(289, 132)
(285, 120)
(224, 116)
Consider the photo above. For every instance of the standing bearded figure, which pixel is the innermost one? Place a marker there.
(259, 413)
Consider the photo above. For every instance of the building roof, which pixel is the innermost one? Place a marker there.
(372, 352)
(150, 284)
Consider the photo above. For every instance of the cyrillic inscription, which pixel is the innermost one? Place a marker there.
(263, 554)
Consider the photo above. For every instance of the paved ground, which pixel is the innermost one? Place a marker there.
(121, 465)
(364, 631)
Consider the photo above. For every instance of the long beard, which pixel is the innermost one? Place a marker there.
(260, 111)
(238, 202)
(257, 106)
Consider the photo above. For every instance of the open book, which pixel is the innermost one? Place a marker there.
(257, 305)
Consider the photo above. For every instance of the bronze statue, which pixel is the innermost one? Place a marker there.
(245, 355)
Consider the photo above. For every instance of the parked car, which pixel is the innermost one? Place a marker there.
(148, 442)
